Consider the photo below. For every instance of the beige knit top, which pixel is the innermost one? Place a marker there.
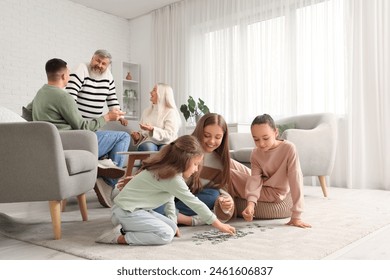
(279, 171)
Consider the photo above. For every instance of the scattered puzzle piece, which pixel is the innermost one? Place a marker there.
(216, 237)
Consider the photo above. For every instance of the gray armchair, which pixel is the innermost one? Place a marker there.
(315, 137)
(39, 163)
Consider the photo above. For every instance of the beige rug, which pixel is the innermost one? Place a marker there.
(346, 216)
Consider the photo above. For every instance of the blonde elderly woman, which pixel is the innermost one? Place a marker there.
(160, 122)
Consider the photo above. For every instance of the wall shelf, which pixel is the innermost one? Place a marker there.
(128, 91)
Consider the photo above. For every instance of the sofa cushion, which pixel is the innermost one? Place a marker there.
(238, 140)
(283, 127)
(78, 161)
(7, 115)
(27, 114)
(243, 155)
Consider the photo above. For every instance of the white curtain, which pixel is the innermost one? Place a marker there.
(169, 57)
(287, 57)
(245, 57)
(368, 93)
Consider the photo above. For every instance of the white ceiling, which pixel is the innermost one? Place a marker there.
(127, 9)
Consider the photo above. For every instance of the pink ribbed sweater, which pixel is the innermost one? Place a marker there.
(275, 173)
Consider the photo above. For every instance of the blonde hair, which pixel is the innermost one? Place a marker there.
(165, 102)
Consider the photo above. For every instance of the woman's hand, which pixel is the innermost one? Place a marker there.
(298, 223)
(249, 212)
(147, 127)
(135, 135)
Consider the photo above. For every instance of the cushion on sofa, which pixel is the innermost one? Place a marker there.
(242, 155)
(78, 161)
(27, 114)
(283, 127)
(6, 115)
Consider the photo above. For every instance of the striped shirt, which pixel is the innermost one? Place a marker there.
(92, 90)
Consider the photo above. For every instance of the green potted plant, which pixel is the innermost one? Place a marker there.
(194, 109)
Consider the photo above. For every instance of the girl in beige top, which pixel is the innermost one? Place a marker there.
(275, 171)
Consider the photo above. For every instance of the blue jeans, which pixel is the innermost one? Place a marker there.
(208, 196)
(110, 143)
(150, 146)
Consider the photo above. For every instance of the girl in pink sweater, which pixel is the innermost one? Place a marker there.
(275, 171)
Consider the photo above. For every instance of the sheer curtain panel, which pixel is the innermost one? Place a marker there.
(287, 57)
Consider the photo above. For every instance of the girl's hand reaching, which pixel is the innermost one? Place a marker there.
(298, 223)
(249, 212)
(224, 227)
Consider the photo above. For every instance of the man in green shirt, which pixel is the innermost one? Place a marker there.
(53, 104)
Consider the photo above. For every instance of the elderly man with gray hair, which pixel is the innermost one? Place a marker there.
(92, 86)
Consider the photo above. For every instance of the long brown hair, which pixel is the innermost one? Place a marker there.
(223, 149)
(173, 158)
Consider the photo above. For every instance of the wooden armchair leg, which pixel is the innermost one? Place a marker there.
(55, 212)
(82, 200)
(323, 185)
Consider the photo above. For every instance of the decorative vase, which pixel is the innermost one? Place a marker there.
(192, 121)
(128, 76)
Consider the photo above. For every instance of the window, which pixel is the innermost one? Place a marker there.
(285, 64)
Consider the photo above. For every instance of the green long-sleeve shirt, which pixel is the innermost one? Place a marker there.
(55, 105)
(147, 192)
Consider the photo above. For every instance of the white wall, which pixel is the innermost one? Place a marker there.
(34, 31)
(141, 52)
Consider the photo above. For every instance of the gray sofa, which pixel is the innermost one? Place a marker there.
(39, 163)
(314, 135)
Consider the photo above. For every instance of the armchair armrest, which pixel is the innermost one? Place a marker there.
(79, 140)
(315, 147)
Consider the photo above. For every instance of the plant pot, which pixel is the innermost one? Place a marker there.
(191, 121)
